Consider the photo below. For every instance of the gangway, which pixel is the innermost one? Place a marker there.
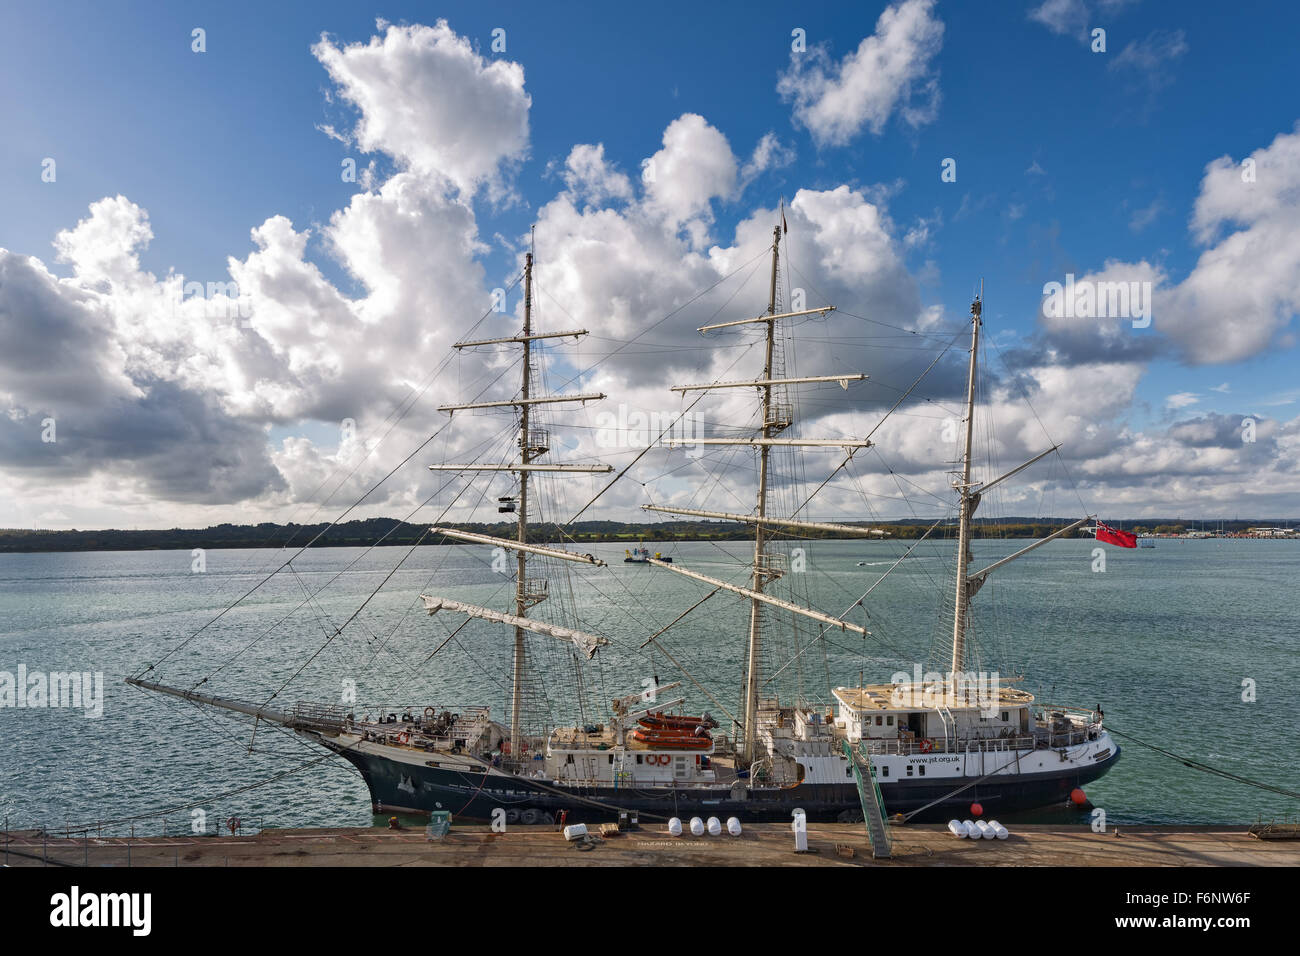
(872, 802)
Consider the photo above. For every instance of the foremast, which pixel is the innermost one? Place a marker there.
(533, 443)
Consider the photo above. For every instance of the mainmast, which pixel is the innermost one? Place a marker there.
(970, 499)
(777, 416)
(761, 569)
(521, 601)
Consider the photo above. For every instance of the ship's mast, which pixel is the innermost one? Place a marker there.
(521, 601)
(534, 443)
(969, 499)
(760, 558)
(777, 416)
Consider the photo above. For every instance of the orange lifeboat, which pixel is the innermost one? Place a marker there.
(662, 721)
(674, 739)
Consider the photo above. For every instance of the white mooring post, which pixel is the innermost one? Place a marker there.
(800, 828)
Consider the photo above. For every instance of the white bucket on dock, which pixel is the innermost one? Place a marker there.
(697, 826)
(986, 831)
(957, 828)
(972, 830)
(675, 826)
(575, 831)
(1001, 831)
(715, 826)
(733, 826)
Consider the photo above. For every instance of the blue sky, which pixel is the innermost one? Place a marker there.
(1065, 158)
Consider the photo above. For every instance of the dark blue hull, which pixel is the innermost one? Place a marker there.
(468, 795)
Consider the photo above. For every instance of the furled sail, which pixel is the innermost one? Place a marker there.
(587, 643)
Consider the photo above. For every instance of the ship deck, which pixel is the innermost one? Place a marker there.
(913, 696)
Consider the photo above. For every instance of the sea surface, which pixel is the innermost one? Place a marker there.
(1168, 641)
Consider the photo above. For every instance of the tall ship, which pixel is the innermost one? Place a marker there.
(927, 748)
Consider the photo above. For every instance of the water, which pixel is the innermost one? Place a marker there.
(1162, 639)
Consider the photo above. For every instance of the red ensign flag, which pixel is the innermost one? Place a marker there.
(1123, 539)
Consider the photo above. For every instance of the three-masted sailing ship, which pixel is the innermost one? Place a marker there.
(925, 749)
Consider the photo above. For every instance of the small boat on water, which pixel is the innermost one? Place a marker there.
(641, 555)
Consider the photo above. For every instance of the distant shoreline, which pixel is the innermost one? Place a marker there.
(388, 532)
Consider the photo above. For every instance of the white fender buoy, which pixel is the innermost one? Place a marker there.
(675, 826)
(999, 829)
(972, 831)
(715, 826)
(958, 830)
(575, 831)
(697, 826)
(733, 826)
(986, 831)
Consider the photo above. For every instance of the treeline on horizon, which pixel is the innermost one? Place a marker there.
(389, 531)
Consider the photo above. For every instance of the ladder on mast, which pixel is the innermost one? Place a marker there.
(872, 802)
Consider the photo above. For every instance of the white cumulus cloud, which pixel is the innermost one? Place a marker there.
(427, 99)
(836, 101)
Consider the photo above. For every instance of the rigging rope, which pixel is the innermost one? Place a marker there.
(1206, 768)
(432, 378)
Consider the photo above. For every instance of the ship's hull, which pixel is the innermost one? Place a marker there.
(475, 795)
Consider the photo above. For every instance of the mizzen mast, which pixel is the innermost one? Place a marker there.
(970, 499)
(971, 492)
